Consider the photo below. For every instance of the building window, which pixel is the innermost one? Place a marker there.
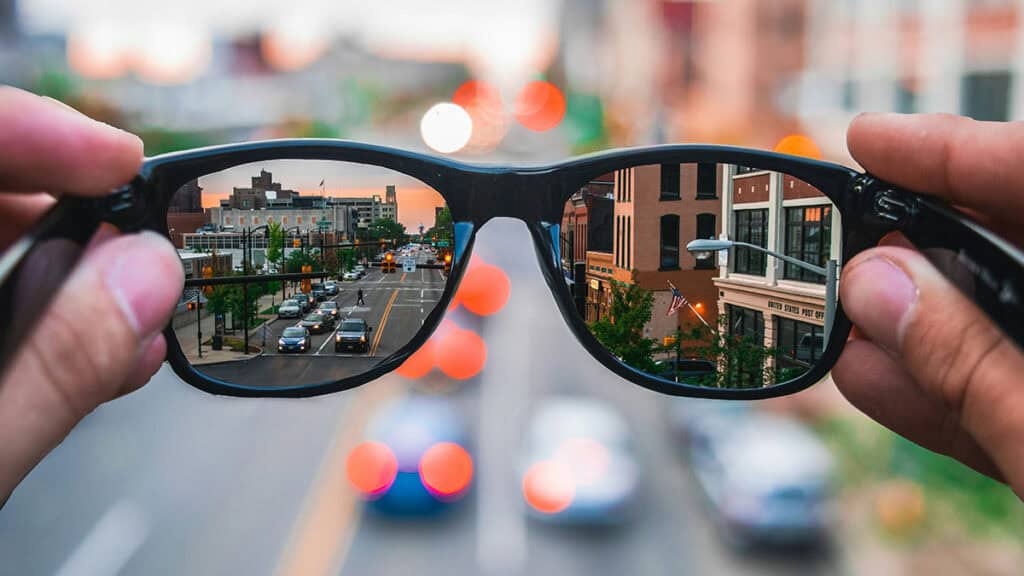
(808, 238)
(746, 323)
(669, 182)
(797, 344)
(707, 174)
(986, 96)
(705, 230)
(669, 242)
(752, 228)
(629, 242)
(746, 169)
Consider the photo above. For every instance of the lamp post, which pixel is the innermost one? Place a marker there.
(246, 255)
(703, 248)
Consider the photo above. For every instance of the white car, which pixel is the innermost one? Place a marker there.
(579, 455)
(289, 309)
(353, 275)
(360, 270)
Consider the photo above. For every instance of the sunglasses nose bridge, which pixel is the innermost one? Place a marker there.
(525, 195)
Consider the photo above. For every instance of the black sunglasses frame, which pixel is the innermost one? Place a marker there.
(869, 209)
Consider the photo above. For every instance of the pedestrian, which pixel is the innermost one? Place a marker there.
(359, 297)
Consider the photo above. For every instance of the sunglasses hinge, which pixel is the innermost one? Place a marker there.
(125, 207)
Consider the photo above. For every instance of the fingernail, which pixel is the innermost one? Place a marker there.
(877, 296)
(138, 277)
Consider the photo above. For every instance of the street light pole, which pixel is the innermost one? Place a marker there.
(829, 272)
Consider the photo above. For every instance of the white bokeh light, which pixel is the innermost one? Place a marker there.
(446, 127)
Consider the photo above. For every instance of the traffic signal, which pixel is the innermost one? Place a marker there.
(389, 263)
(191, 305)
(307, 283)
(208, 273)
(447, 262)
(297, 243)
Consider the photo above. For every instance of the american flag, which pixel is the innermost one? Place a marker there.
(677, 301)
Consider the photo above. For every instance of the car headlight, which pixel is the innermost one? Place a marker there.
(337, 338)
(280, 342)
(316, 327)
(362, 338)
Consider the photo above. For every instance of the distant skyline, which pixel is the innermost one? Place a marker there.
(416, 200)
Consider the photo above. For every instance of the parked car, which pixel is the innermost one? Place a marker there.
(361, 270)
(349, 276)
(588, 443)
(695, 371)
(318, 323)
(331, 287)
(431, 469)
(294, 339)
(767, 481)
(352, 334)
(289, 309)
(328, 307)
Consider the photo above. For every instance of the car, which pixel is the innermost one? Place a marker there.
(695, 371)
(361, 270)
(331, 287)
(329, 307)
(352, 334)
(350, 276)
(318, 323)
(318, 293)
(305, 301)
(767, 480)
(431, 468)
(294, 339)
(579, 466)
(289, 309)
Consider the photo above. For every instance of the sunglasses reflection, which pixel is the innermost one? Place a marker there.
(372, 249)
(704, 274)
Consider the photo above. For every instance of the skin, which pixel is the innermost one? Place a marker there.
(101, 337)
(923, 360)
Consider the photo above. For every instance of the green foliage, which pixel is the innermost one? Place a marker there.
(158, 141)
(442, 229)
(743, 362)
(346, 258)
(275, 242)
(622, 330)
(386, 228)
(297, 259)
(218, 301)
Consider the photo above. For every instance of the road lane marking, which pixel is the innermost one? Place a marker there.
(402, 279)
(110, 544)
(383, 322)
(326, 340)
(322, 535)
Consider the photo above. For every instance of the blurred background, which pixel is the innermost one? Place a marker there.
(173, 481)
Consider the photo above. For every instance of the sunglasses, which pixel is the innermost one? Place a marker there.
(314, 266)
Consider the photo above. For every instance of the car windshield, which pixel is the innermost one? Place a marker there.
(293, 332)
(289, 303)
(329, 305)
(314, 318)
(352, 326)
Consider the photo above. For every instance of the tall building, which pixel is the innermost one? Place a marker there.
(256, 197)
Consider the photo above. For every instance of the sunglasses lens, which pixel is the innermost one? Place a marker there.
(371, 243)
(671, 268)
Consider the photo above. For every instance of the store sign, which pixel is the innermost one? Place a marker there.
(797, 310)
(595, 285)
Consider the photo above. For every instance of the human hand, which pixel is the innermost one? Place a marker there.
(101, 336)
(923, 360)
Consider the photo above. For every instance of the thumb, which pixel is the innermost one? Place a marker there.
(100, 338)
(956, 355)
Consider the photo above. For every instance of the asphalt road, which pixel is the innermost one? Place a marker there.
(394, 305)
(173, 481)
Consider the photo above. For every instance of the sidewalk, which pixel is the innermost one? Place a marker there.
(189, 343)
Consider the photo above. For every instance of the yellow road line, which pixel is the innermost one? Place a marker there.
(402, 279)
(383, 323)
(323, 533)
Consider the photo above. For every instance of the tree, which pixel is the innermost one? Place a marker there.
(742, 361)
(386, 228)
(346, 258)
(442, 229)
(297, 259)
(275, 243)
(622, 329)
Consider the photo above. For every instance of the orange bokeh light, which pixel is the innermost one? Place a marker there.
(799, 145)
(461, 354)
(371, 467)
(548, 486)
(483, 102)
(420, 363)
(446, 468)
(484, 289)
(586, 457)
(540, 106)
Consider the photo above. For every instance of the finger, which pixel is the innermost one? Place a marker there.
(88, 347)
(47, 146)
(947, 345)
(973, 164)
(19, 212)
(878, 386)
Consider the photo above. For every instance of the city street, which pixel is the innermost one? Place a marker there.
(173, 481)
(394, 305)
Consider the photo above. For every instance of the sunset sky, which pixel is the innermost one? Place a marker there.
(416, 200)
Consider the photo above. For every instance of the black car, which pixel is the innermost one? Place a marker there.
(695, 371)
(352, 334)
(305, 301)
(318, 292)
(294, 339)
(318, 323)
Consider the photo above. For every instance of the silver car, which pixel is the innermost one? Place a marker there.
(289, 309)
